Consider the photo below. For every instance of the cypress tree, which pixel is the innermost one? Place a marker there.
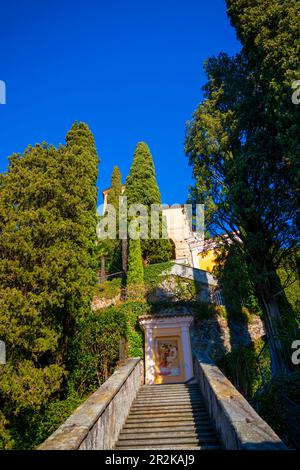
(142, 188)
(135, 273)
(111, 249)
(78, 165)
(28, 284)
(47, 265)
(115, 190)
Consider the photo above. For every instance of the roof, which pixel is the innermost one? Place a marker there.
(168, 312)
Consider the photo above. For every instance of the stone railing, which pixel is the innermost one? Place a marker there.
(238, 425)
(194, 274)
(96, 424)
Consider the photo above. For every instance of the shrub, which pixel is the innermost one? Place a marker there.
(279, 404)
(95, 350)
(31, 428)
(153, 274)
(134, 334)
(242, 369)
(109, 289)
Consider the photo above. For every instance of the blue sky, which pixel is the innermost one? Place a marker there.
(132, 70)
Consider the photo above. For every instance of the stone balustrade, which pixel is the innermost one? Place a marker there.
(238, 425)
(194, 274)
(96, 424)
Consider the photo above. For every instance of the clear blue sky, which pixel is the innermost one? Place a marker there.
(132, 70)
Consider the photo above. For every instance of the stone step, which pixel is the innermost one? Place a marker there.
(167, 427)
(168, 417)
(170, 397)
(165, 424)
(200, 416)
(170, 387)
(165, 396)
(178, 411)
(169, 406)
(166, 409)
(134, 441)
(171, 393)
(170, 447)
(167, 421)
(173, 400)
(162, 434)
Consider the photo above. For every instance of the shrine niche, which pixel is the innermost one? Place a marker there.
(168, 357)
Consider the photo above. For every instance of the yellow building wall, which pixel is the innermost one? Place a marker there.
(207, 260)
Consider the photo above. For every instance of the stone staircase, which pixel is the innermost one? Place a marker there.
(168, 417)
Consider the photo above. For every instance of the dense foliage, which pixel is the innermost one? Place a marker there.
(47, 268)
(234, 281)
(244, 370)
(278, 402)
(135, 273)
(109, 289)
(269, 31)
(95, 349)
(142, 188)
(243, 144)
(115, 190)
(110, 248)
(241, 178)
(153, 273)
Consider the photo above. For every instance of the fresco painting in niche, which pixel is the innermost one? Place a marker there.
(168, 363)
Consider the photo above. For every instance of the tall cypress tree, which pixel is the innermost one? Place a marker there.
(142, 188)
(78, 165)
(111, 249)
(135, 273)
(28, 283)
(47, 265)
(115, 190)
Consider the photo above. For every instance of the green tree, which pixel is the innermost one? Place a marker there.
(135, 273)
(269, 31)
(115, 190)
(113, 198)
(234, 281)
(76, 200)
(111, 249)
(47, 265)
(238, 177)
(142, 188)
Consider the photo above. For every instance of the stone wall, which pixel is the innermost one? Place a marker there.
(217, 336)
(238, 425)
(102, 302)
(96, 424)
(183, 282)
